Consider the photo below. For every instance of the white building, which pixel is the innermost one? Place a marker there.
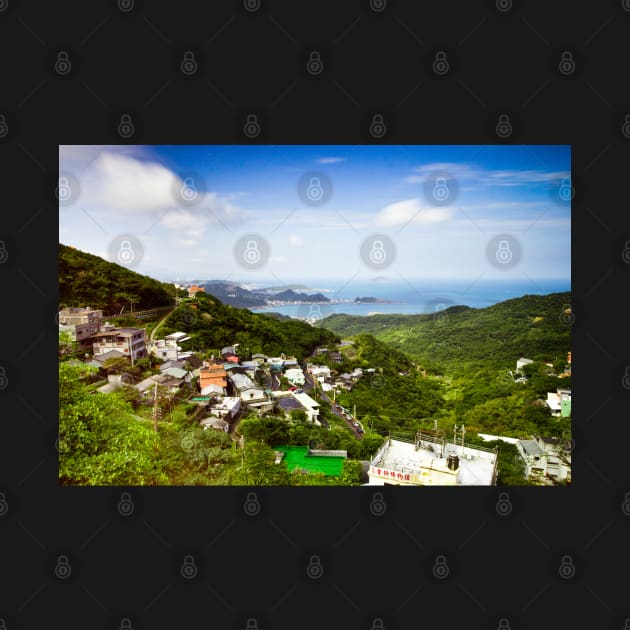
(522, 362)
(81, 323)
(248, 391)
(129, 341)
(547, 460)
(319, 371)
(215, 423)
(430, 461)
(227, 408)
(310, 406)
(168, 349)
(295, 376)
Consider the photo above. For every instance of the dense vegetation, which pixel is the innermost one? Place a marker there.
(426, 371)
(459, 339)
(88, 280)
(214, 325)
(465, 361)
(109, 440)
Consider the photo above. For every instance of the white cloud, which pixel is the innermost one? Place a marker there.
(188, 227)
(123, 183)
(295, 240)
(128, 185)
(411, 211)
(330, 160)
(467, 172)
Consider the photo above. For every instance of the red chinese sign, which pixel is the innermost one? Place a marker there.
(389, 474)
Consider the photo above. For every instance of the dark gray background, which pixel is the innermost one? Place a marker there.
(374, 567)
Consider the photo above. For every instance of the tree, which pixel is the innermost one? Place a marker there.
(117, 365)
(258, 467)
(298, 416)
(100, 441)
(67, 343)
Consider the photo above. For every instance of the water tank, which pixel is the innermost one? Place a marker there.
(452, 461)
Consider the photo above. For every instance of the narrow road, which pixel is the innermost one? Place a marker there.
(308, 386)
(152, 335)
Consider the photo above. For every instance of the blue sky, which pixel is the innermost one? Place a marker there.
(376, 190)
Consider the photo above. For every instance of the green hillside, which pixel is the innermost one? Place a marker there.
(459, 338)
(214, 325)
(88, 280)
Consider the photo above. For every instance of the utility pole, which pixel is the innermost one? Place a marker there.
(155, 407)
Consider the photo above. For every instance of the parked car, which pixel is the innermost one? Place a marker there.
(299, 391)
(356, 424)
(359, 430)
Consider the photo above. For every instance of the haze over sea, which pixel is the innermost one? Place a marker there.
(417, 295)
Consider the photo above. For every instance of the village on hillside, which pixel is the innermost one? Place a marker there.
(227, 387)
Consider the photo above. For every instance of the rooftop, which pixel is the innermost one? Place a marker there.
(306, 401)
(531, 447)
(476, 466)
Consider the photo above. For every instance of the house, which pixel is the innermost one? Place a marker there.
(533, 456)
(129, 341)
(250, 368)
(335, 356)
(228, 351)
(289, 401)
(147, 386)
(559, 402)
(319, 371)
(226, 408)
(172, 363)
(356, 374)
(547, 460)
(178, 373)
(99, 360)
(215, 423)
(295, 376)
(194, 289)
(344, 381)
(432, 461)
(168, 348)
(81, 322)
(247, 390)
(212, 379)
(259, 358)
(521, 363)
(309, 405)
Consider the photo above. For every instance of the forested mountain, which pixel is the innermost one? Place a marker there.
(88, 280)
(214, 325)
(533, 326)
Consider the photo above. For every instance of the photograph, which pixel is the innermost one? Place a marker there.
(314, 315)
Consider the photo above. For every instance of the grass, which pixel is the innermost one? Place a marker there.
(297, 457)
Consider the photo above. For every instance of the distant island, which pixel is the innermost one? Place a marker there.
(236, 295)
(370, 300)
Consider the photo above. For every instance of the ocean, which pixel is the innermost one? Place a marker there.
(414, 296)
